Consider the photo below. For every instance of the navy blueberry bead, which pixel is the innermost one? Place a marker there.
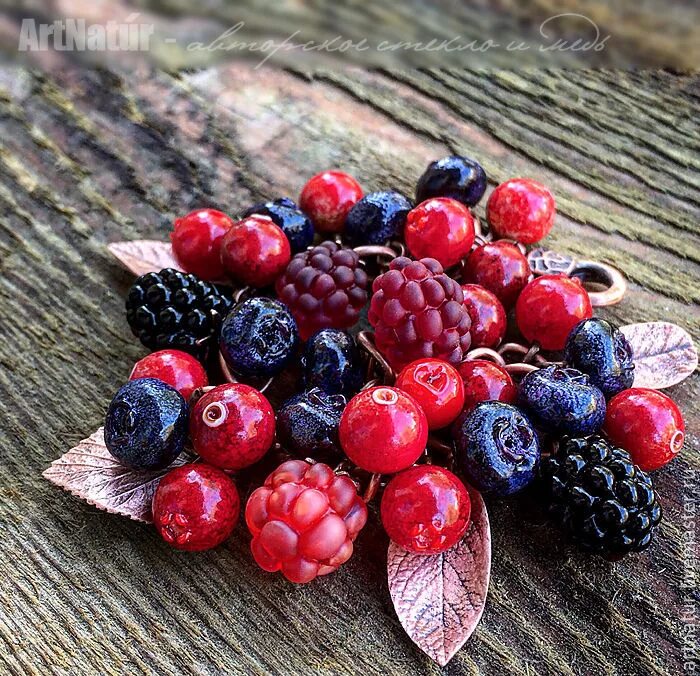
(146, 424)
(295, 224)
(332, 363)
(460, 178)
(377, 218)
(258, 337)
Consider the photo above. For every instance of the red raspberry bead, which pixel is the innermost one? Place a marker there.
(499, 267)
(417, 311)
(425, 509)
(324, 287)
(647, 424)
(195, 507)
(327, 197)
(437, 387)
(487, 314)
(549, 307)
(304, 520)
(255, 251)
(196, 241)
(486, 381)
(232, 426)
(521, 209)
(174, 367)
(383, 430)
(440, 227)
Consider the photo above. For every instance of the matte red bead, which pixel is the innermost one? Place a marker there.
(521, 209)
(549, 307)
(441, 228)
(196, 241)
(486, 381)
(195, 507)
(487, 314)
(232, 426)
(425, 509)
(255, 251)
(327, 197)
(304, 520)
(499, 267)
(647, 424)
(437, 387)
(383, 430)
(174, 367)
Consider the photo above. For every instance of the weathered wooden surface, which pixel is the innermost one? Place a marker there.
(92, 157)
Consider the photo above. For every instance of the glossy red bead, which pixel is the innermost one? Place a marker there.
(304, 520)
(521, 209)
(196, 241)
(195, 507)
(487, 314)
(647, 424)
(441, 228)
(255, 251)
(499, 267)
(437, 387)
(327, 197)
(486, 381)
(383, 430)
(174, 367)
(232, 426)
(549, 307)
(425, 509)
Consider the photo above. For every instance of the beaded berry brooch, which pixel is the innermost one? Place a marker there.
(440, 402)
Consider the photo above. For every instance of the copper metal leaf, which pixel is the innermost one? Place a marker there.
(90, 472)
(663, 353)
(440, 598)
(144, 255)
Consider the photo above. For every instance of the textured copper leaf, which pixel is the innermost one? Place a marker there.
(439, 599)
(546, 262)
(144, 255)
(663, 353)
(90, 472)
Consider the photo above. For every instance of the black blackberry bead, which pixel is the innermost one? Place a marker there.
(173, 309)
(604, 502)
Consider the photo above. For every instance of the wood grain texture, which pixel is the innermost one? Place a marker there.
(91, 157)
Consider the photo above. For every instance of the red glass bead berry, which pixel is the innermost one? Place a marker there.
(437, 387)
(232, 426)
(425, 509)
(440, 227)
(324, 287)
(487, 314)
(417, 311)
(647, 424)
(195, 507)
(174, 367)
(255, 251)
(383, 430)
(486, 381)
(499, 267)
(327, 197)
(549, 307)
(521, 209)
(196, 241)
(304, 520)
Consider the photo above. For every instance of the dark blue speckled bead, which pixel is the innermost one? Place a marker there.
(460, 178)
(497, 448)
(258, 337)
(332, 363)
(377, 218)
(307, 424)
(601, 351)
(562, 401)
(287, 215)
(146, 424)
